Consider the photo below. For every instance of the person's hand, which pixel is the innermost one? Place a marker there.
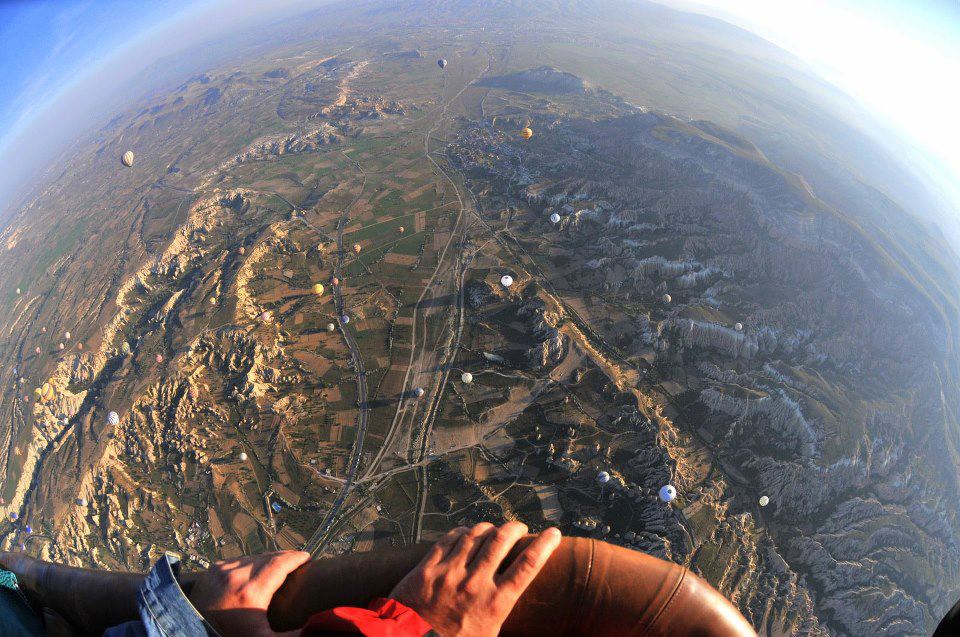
(458, 586)
(233, 595)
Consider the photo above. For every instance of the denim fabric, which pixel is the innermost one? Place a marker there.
(164, 609)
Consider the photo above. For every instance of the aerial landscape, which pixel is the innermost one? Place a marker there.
(395, 270)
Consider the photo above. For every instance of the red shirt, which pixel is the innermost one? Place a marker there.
(382, 618)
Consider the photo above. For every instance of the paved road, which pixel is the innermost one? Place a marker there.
(318, 540)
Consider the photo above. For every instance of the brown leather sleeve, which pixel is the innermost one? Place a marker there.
(586, 588)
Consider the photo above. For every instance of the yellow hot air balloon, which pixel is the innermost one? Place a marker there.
(526, 133)
(356, 248)
(318, 289)
(47, 392)
(127, 159)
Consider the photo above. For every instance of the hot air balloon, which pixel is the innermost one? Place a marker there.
(526, 133)
(242, 251)
(125, 348)
(13, 516)
(466, 377)
(318, 289)
(738, 327)
(159, 358)
(66, 335)
(401, 229)
(28, 529)
(127, 159)
(335, 281)
(764, 500)
(79, 345)
(666, 298)
(603, 477)
(36, 350)
(356, 248)
(554, 218)
(243, 456)
(113, 418)
(47, 392)
(506, 280)
(19, 292)
(345, 319)
(61, 347)
(265, 316)
(331, 327)
(43, 329)
(213, 300)
(419, 392)
(81, 502)
(668, 493)
(442, 63)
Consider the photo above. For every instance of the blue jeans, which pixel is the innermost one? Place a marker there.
(164, 609)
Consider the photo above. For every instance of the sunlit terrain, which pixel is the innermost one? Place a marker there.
(344, 296)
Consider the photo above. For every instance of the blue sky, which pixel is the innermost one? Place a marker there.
(45, 44)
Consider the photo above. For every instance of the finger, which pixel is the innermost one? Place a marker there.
(463, 550)
(529, 562)
(495, 547)
(442, 547)
(278, 566)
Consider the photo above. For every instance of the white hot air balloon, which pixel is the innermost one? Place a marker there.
(666, 298)
(603, 477)
(331, 327)
(127, 159)
(668, 493)
(419, 392)
(66, 335)
(243, 456)
(764, 500)
(506, 280)
(19, 292)
(554, 218)
(466, 377)
(113, 418)
(738, 327)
